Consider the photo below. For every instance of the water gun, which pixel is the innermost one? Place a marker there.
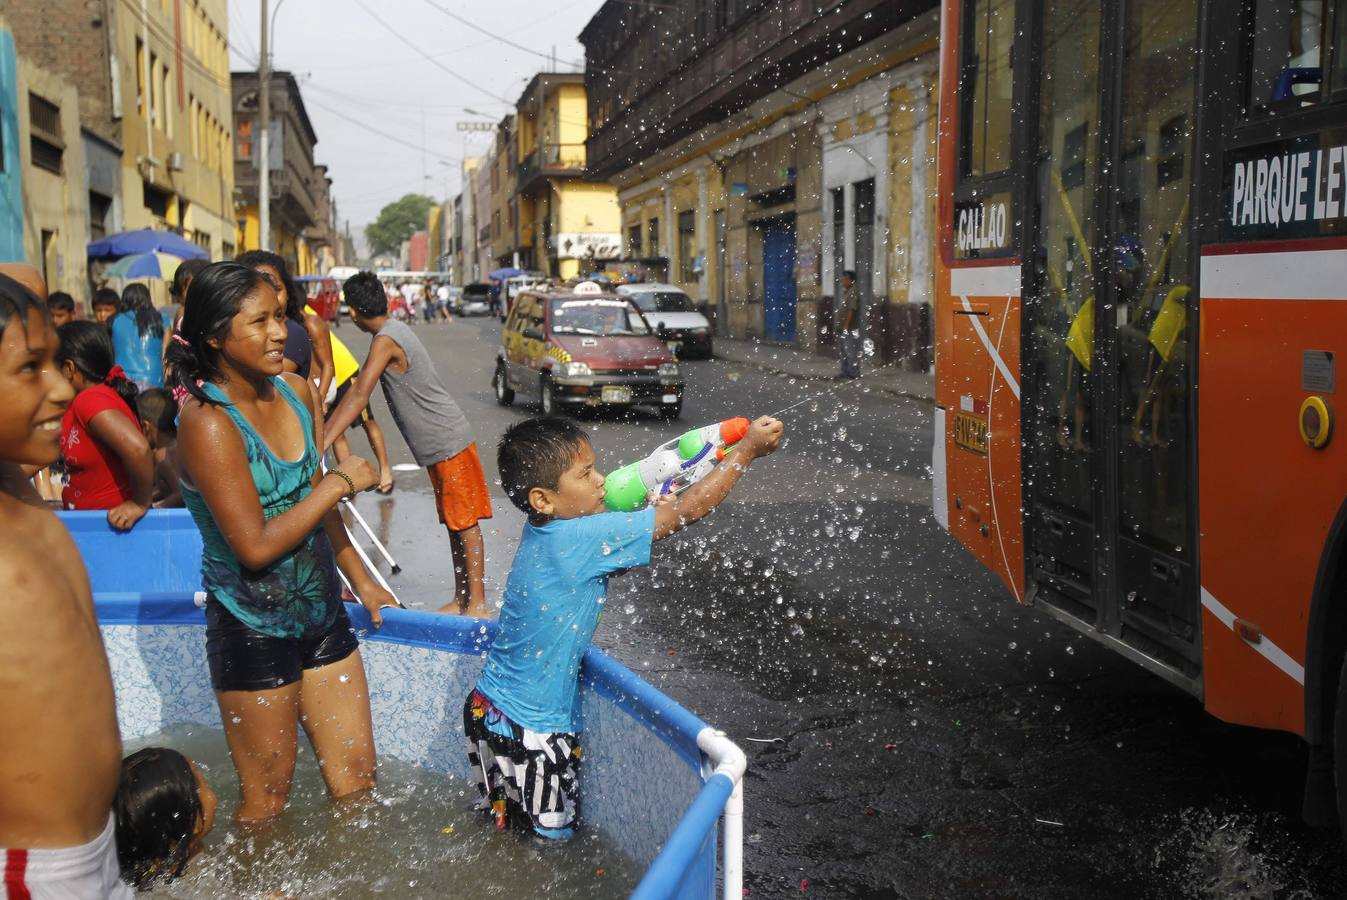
(673, 466)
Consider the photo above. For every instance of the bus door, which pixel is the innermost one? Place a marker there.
(1109, 306)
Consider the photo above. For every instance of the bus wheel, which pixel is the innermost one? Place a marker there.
(1340, 750)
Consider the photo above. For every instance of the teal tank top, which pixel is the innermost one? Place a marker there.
(298, 595)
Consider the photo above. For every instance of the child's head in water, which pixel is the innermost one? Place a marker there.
(163, 807)
(547, 469)
(36, 394)
(158, 416)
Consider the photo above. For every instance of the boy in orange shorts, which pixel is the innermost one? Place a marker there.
(432, 425)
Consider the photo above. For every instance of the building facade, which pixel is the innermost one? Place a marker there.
(301, 217)
(789, 148)
(566, 221)
(149, 112)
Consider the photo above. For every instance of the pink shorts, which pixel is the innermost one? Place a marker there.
(70, 873)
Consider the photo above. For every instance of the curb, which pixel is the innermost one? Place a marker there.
(777, 370)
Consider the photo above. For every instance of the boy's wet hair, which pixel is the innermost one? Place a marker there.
(16, 301)
(536, 453)
(365, 295)
(61, 300)
(156, 810)
(107, 297)
(156, 406)
(183, 275)
(294, 297)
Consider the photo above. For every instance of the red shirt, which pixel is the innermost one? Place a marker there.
(97, 478)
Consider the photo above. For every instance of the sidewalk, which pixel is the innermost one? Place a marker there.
(783, 360)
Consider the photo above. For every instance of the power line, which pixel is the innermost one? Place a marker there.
(502, 39)
(432, 60)
(388, 137)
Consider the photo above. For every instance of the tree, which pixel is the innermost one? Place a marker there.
(397, 221)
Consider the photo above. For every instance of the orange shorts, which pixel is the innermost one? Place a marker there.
(460, 490)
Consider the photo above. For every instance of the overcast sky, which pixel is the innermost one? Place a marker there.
(371, 95)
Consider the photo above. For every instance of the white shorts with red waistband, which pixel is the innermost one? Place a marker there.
(86, 872)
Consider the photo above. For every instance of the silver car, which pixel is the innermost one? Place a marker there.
(671, 312)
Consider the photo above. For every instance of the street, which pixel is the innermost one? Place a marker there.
(911, 731)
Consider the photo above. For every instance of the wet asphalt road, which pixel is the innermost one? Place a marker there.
(911, 731)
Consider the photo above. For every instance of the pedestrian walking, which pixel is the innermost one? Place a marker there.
(849, 327)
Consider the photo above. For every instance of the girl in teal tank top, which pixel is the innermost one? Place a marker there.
(279, 644)
(298, 595)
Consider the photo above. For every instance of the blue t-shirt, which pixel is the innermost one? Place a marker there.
(553, 599)
(140, 355)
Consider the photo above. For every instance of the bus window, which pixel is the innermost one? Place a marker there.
(1340, 48)
(1284, 60)
(1150, 271)
(1060, 302)
(986, 76)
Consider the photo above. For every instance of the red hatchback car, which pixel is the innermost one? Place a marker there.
(584, 348)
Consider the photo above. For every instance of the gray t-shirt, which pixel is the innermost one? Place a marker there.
(430, 421)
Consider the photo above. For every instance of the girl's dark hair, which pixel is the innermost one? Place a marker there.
(214, 299)
(157, 807)
(16, 301)
(136, 299)
(184, 273)
(294, 299)
(89, 346)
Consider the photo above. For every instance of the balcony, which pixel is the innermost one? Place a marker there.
(646, 93)
(550, 161)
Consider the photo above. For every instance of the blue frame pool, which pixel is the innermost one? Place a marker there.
(649, 785)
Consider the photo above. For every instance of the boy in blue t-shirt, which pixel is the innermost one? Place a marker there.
(522, 717)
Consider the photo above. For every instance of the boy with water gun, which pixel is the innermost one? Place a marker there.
(521, 718)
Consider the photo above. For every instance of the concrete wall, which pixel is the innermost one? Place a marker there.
(55, 206)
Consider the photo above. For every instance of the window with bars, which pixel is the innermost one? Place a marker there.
(44, 125)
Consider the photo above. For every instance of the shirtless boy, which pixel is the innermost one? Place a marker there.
(61, 754)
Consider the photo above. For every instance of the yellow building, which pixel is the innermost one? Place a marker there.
(566, 222)
(173, 78)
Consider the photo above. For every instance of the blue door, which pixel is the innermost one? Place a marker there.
(778, 280)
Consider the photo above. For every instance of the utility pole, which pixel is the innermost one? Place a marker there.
(264, 139)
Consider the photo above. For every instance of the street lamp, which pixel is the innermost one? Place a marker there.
(264, 123)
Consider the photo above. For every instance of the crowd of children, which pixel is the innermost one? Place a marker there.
(235, 430)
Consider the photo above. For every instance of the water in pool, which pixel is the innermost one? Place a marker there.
(417, 837)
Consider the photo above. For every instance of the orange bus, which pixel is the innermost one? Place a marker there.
(1141, 299)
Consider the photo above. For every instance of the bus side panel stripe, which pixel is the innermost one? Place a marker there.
(1268, 650)
(939, 472)
(1299, 275)
(985, 281)
(992, 351)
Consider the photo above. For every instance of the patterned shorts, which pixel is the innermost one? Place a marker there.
(533, 773)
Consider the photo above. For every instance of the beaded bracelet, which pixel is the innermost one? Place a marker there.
(346, 478)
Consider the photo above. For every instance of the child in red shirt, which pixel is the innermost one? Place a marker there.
(107, 456)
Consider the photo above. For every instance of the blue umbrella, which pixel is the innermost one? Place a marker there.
(144, 265)
(147, 240)
(502, 274)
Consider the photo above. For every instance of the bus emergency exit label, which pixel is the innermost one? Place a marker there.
(1286, 189)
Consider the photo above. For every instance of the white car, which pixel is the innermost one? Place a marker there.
(671, 312)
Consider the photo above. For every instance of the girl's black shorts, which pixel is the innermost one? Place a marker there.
(242, 659)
